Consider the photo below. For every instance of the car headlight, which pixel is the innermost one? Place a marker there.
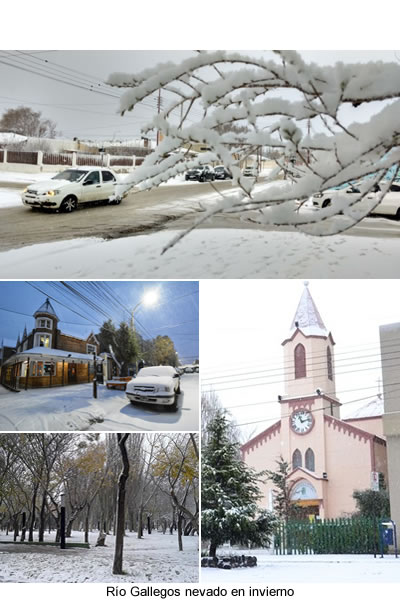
(319, 195)
(165, 388)
(25, 190)
(53, 192)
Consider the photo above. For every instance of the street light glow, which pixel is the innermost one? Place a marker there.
(150, 297)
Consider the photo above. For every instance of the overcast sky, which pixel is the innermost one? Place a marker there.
(243, 324)
(93, 114)
(175, 314)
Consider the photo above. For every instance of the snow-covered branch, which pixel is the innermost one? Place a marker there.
(332, 125)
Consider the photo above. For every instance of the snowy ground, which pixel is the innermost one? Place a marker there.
(155, 558)
(72, 408)
(208, 253)
(335, 568)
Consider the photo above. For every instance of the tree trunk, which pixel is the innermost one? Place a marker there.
(31, 524)
(23, 528)
(180, 545)
(87, 524)
(213, 550)
(42, 519)
(16, 527)
(120, 519)
(140, 524)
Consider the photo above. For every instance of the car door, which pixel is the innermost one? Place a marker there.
(91, 187)
(108, 185)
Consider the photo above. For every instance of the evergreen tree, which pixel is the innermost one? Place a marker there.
(371, 503)
(230, 492)
(127, 347)
(285, 507)
(107, 336)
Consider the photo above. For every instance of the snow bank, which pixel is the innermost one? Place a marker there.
(207, 253)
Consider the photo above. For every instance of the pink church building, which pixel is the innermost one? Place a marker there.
(329, 457)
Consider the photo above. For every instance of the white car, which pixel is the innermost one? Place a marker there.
(390, 204)
(72, 187)
(156, 385)
(250, 172)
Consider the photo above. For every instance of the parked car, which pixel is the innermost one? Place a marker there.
(205, 173)
(222, 173)
(250, 172)
(390, 204)
(157, 386)
(71, 187)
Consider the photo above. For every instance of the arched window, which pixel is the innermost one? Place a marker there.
(297, 461)
(329, 363)
(310, 460)
(299, 361)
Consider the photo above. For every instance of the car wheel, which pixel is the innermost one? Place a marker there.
(326, 203)
(397, 215)
(174, 406)
(178, 391)
(69, 204)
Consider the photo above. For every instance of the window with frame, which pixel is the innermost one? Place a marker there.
(329, 363)
(44, 323)
(310, 460)
(297, 460)
(300, 362)
(90, 348)
(43, 340)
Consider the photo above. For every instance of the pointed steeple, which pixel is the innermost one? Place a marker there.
(307, 317)
(25, 333)
(18, 341)
(46, 309)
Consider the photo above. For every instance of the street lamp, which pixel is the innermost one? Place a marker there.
(149, 299)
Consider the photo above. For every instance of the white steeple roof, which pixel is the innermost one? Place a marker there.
(307, 317)
(46, 308)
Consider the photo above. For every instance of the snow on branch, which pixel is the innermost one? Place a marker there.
(317, 117)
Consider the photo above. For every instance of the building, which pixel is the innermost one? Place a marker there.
(390, 357)
(329, 457)
(47, 357)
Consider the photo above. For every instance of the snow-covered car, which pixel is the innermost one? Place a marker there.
(250, 172)
(72, 187)
(205, 173)
(221, 172)
(390, 204)
(156, 385)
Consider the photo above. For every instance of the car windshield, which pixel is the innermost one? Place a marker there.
(219, 168)
(155, 372)
(71, 175)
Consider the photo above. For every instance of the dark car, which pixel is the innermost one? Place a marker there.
(222, 173)
(200, 174)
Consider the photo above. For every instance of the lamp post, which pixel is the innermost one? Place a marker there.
(62, 519)
(94, 376)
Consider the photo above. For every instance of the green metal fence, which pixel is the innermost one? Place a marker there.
(329, 536)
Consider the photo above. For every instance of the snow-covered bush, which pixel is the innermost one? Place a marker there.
(313, 114)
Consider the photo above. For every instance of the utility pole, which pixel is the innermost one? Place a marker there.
(94, 376)
(159, 104)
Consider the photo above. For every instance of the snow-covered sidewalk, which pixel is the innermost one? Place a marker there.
(72, 408)
(155, 558)
(306, 568)
(208, 253)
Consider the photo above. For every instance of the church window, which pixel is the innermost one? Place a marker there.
(299, 361)
(329, 363)
(310, 460)
(297, 459)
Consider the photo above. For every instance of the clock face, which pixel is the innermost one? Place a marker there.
(301, 421)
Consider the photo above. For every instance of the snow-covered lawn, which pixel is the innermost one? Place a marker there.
(72, 408)
(155, 558)
(335, 568)
(207, 253)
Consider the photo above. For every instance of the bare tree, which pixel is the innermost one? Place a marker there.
(25, 121)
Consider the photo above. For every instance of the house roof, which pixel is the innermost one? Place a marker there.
(46, 308)
(307, 318)
(53, 353)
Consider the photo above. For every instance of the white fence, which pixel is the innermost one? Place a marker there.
(33, 162)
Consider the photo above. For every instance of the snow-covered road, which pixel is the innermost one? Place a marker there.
(72, 408)
(155, 558)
